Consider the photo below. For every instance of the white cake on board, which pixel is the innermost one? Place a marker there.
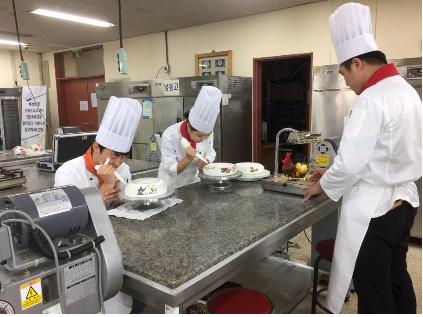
(145, 187)
(219, 169)
(250, 168)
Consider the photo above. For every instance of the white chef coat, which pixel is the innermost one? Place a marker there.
(75, 173)
(379, 159)
(172, 152)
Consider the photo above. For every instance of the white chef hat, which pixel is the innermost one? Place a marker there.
(119, 124)
(351, 28)
(203, 115)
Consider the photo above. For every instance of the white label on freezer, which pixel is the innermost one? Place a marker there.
(225, 99)
(51, 202)
(171, 87)
(94, 100)
(147, 109)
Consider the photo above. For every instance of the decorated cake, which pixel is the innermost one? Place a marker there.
(145, 187)
(219, 169)
(250, 168)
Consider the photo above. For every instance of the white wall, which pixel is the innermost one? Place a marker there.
(146, 54)
(52, 107)
(6, 80)
(303, 29)
(9, 68)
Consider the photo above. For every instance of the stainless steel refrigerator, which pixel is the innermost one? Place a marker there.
(233, 129)
(139, 90)
(164, 102)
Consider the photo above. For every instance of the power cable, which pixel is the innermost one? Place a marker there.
(17, 30)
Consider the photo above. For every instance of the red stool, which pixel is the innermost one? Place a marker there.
(325, 250)
(239, 300)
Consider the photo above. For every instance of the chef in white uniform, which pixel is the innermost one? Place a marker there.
(374, 172)
(179, 166)
(113, 142)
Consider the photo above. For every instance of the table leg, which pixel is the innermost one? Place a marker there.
(171, 310)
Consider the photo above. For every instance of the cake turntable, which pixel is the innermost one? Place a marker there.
(220, 183)
(144, 203)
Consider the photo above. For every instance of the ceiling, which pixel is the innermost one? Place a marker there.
(139, 17)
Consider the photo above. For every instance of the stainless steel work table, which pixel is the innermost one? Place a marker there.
(8, 158)
(183, 253)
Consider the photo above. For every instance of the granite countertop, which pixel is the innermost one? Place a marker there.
(35, 180)
(207, 227)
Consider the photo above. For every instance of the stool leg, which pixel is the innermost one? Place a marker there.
(315, 279)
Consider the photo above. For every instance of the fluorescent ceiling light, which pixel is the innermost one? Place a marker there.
(7, 42)
(71, 17)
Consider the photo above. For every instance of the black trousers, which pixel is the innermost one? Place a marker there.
(380, 277)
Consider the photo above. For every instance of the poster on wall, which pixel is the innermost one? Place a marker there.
(33, 126)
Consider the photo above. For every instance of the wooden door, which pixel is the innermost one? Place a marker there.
(92, 118)
(264, 153)
(77, 109)
(75, 93)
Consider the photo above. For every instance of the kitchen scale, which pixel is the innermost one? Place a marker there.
(11, 178)
(219, 183)
(322, 156)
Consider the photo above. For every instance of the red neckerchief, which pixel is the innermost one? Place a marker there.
(89, 164)
(382, 73)
(185, 134)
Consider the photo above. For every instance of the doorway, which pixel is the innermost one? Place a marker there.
(77, 75)
(281, 99)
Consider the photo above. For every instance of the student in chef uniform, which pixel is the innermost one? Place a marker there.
(374, 172)
(179, 166)
(113, 142)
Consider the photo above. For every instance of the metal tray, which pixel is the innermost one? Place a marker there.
(295, 187)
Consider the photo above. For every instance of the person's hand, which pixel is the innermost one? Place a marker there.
(106, 173)
(201, 164)
(313, 190)
(109, 194)
(316, 174)
(190, 153)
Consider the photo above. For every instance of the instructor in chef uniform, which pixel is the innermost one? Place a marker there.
(179, 166)
(113, 142)
(374, 172)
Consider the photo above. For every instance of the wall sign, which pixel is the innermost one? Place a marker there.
(171, 87)
(33, 129)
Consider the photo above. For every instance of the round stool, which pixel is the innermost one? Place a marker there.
(239, 300)
(325, 250)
